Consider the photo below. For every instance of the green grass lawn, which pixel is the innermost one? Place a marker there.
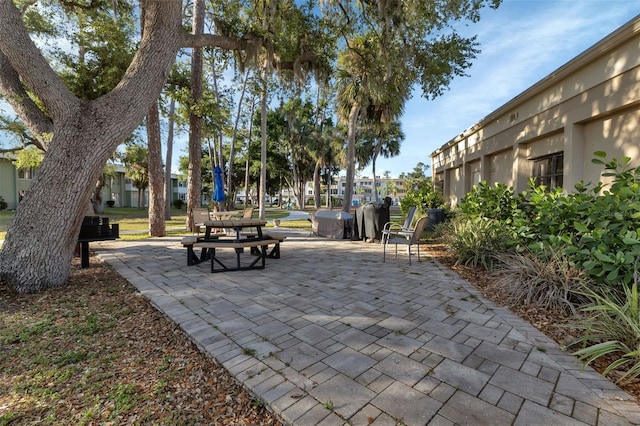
(136, 221)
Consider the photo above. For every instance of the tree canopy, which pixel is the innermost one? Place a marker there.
(80, 104)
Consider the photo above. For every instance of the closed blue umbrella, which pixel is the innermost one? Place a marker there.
(218, 188)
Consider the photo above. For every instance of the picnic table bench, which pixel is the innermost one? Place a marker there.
(260, 245)
(257, 242)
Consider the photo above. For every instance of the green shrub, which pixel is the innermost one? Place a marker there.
(424, 198)
(3, 203)
(178, 204)
(597, 226)
(493, 202)
(612, 330)
(477, 241)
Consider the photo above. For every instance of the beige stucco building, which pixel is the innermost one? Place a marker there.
(551, 130)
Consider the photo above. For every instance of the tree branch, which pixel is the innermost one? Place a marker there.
(25, 59)
(13, 91)
(75, 5)
(224, 42)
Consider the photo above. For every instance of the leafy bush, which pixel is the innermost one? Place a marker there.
(477, 241)
(178, 204)
(424, 198)
(493, 202)
(3, 203)
(546, 280)
(612, 328)
(597, 227)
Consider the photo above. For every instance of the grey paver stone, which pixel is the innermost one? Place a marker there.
(585, 413)
(448, 349)
(562, 404)
(297, 379)
(406, 404)
(510, 402)
(360, 322)
(438, 328)
(268, 383)
(237, 325)
(330, 346)
(347, 395)
(371, 349)
(286, 341)
(478, 318)
(438, 420)
(297, 407)
(606, 418)
(384, 420)
(473, 361)
(464, 409)
(462, 377)
(349, 362)
(442, 392)
(548, 374)
(500, 355)
(402, 368)
(326, 373)
(532, 413)
(354, 338)
(227, 352)
(531, 369)
(427, 385)
(277, 391)
(312, 334)
(399, 343)
(523, 385)
(626, 404)
(397, 324)
(366, 416)
(240, 363)
(300, 356)
(380, 383)
(491, 394)
(315, 416)
(272, 329)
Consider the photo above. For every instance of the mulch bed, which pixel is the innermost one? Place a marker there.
(129, 354)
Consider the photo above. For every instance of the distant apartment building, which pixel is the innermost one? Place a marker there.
(551, 130)
(117, 188)
(363, 189)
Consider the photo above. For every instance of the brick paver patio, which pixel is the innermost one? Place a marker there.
(329, 334)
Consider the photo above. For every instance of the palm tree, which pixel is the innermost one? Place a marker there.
(380, 139)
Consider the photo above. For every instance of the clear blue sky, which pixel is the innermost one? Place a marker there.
(522, 42)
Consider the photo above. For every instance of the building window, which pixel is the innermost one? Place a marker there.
(547, 170)
(26, 173)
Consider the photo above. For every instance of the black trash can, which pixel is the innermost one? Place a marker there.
(434, 217)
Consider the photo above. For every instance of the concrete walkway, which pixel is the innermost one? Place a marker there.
(331, 335)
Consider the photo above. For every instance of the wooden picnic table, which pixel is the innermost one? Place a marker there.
(257, 242)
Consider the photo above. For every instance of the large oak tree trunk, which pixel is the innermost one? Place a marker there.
(41, 239)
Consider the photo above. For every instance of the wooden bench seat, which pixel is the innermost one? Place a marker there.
(260, 245)
(189, 241)
(275, 251)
